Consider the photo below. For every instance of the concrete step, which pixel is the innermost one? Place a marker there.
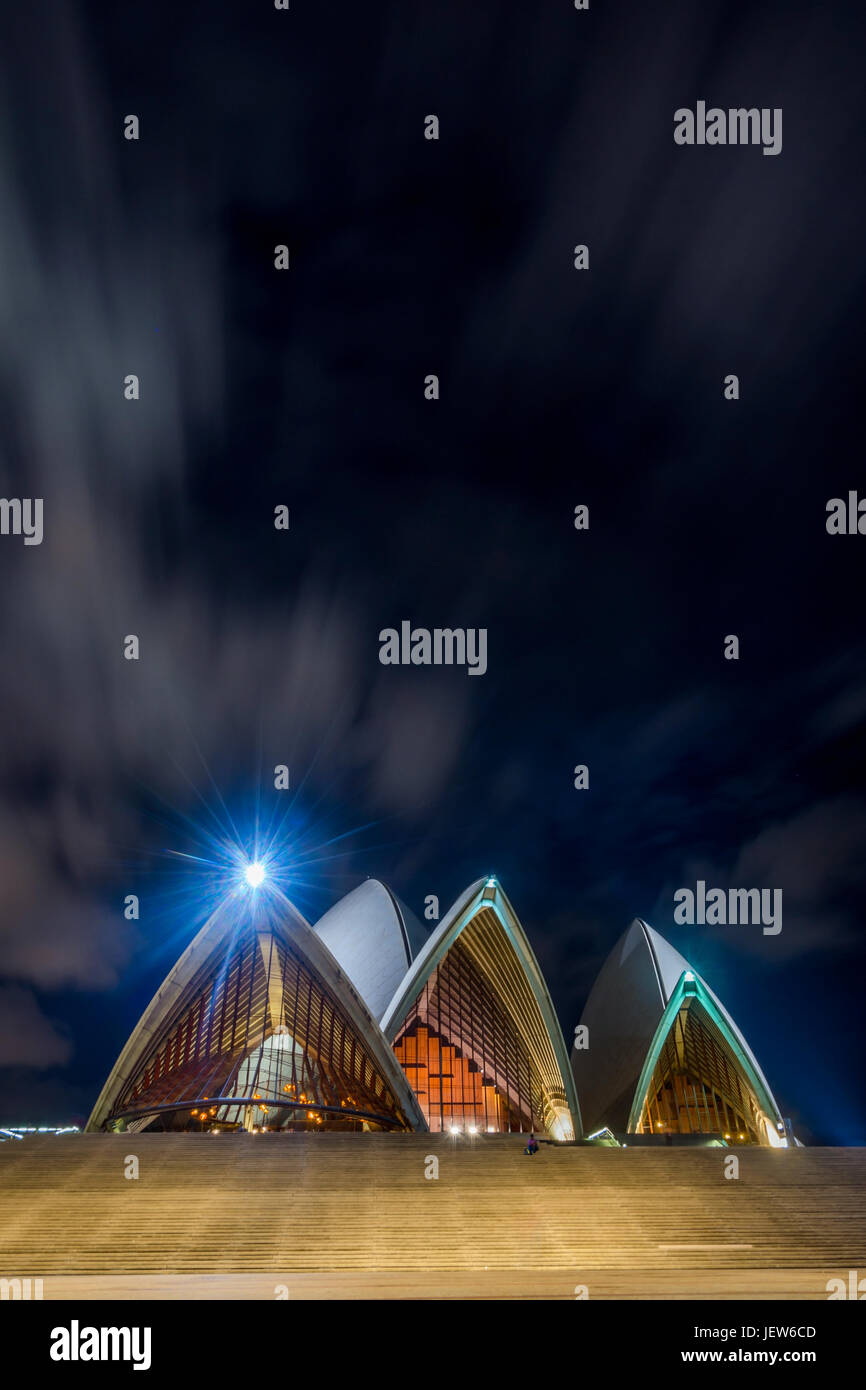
(258, 1203)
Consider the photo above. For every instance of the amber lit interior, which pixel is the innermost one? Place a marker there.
(474, 1046)
(697, 1085)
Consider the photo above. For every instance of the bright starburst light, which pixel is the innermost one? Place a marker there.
(254, 874)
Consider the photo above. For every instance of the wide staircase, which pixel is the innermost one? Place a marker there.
(635, 1220)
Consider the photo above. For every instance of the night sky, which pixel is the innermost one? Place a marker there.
(305, 388)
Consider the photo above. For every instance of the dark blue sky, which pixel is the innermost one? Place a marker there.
(604, 387)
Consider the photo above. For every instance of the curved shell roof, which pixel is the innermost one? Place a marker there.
(412, 979)
(622, 1014)
(374, 938)
(207, 950)
(510, 960)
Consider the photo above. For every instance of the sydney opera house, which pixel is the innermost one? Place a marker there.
(366, 1021)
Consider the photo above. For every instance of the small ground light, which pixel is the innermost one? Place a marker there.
(473, 1129)
(254, 874)
(454, 1130)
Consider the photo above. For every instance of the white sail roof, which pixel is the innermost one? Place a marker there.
(375, 938)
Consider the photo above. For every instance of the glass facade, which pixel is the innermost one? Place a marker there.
(697, 1086)
(473, 1044)
(261, 1029)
